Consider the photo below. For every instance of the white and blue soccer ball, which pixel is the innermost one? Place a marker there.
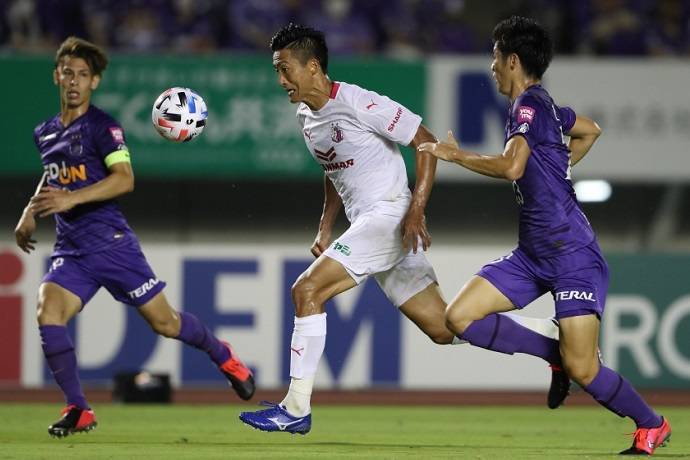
(179, 114)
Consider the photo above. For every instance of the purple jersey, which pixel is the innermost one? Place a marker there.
(75, 157)
(551, 221)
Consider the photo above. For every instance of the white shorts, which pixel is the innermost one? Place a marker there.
(372, 246)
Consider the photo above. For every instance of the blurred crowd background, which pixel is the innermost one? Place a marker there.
(402, 28)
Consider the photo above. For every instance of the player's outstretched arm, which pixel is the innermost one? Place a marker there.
(509, 165)
(51, 200)
(414, 224)
(583, 134)
(331, 208)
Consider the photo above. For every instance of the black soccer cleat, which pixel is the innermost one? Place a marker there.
(74, 420)
(559, 389)
(239, 376)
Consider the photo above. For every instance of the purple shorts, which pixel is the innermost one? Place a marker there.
(578, 281)
(122, 270)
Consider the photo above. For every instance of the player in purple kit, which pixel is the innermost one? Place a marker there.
(557, 250)
(86, 166)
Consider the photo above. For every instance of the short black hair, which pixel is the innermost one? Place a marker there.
(94, 56)
(309, 43)
(529, 40)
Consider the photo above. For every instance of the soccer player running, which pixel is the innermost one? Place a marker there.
(352, 133)
(87, 165)
(557, 250)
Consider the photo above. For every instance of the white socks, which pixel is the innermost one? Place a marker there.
(308, 342)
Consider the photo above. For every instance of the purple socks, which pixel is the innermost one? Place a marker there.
(59, 352)
(500, 333)
(194, 333)
(616, 394)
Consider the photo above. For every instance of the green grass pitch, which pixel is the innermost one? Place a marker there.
(201, 432)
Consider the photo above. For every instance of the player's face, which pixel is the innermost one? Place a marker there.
(295, 78)
(499, 71)
(75, 80)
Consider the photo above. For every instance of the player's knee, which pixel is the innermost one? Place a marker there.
(457, 320)
(581, 371)
(49, 312)
(167, 329)
(444, 337)
(304, 292)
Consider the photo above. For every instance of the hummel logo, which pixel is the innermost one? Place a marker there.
(372, 104)
(297, 350)
(47, 137)
(325, 156)
(282, 425)
(307, 134)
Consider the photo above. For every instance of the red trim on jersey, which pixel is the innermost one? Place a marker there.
(334, 89)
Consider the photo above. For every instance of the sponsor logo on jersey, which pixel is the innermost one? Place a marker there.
(117, 134)
(336, 133)
(525, 114)
(523, 128)
(57, 263)
(342, 248)
(575, 295)
(328, 155)
(338, 165)
(64, 174)
(395, 120)
(143, 289)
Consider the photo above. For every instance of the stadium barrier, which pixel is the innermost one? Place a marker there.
(243, 293)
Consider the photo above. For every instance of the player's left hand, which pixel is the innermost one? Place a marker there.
(51, 200)
(414, 230)
(443, 150)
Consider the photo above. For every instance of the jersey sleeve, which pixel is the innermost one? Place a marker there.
(567, 117)
(525, 119)
(109, 138)
(386, 117)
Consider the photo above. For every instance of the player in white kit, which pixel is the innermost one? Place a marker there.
(353, 134)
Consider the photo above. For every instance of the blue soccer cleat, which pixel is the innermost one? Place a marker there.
(276, 418)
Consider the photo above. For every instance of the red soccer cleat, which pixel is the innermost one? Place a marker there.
(239, 375)
(74, 420)
(646, 440)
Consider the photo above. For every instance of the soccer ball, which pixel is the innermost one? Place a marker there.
(179, 114)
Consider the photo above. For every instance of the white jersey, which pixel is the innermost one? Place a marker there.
(354, 138)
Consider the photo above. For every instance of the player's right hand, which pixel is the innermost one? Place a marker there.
(321, 243)
(23, 232)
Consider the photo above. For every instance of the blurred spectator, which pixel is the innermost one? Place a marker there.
(347, 31)
(444, 27)
(669, 33)
(614, 29)
(187, 26)
(137, 27)
(253, 22)
(24, 28)
(60, 19)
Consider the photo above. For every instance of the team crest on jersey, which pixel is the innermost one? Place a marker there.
(117, 135)
(523, 128)
(75, 147)
(336, 133)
